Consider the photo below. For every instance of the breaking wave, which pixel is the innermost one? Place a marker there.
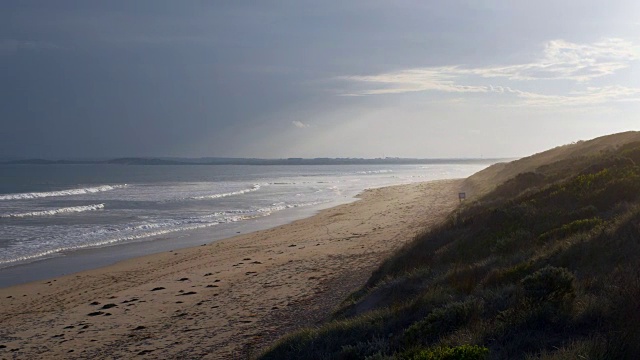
(374, 172)
(73, 209)
(255, 187)
(80, 191)
(112, 236)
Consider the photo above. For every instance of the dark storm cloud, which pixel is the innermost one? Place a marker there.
(207, 78)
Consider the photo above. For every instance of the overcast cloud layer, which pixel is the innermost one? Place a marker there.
(314, 79)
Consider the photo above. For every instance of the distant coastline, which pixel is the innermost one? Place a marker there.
(253, 161)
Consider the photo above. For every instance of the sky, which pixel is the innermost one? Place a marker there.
(274, 79)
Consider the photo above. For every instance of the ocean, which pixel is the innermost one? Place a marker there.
(54, 211)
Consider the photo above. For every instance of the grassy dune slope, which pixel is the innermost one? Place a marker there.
(543, 266)
(484, 181)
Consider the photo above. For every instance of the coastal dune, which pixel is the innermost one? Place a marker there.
(223, 300)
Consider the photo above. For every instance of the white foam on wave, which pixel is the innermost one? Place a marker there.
(73, 209)
(80, 191)
(283, 206)
(160, 228)
(255, 187)
(116, 240)
(374, 172)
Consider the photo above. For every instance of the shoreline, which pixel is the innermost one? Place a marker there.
(225, 298)
(90, 258)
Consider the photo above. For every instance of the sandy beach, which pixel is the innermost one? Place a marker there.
(224, 300)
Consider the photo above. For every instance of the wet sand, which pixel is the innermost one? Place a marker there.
(224, 300)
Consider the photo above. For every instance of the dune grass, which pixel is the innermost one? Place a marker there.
(544, 266)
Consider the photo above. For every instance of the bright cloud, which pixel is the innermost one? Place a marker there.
(561, 60)
(565, 60)
(300, 124)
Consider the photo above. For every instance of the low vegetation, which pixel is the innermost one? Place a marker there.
(544, 266)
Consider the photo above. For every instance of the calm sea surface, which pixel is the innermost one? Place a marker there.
(53, 210)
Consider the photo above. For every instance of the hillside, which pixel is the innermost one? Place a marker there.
(543, 266)
(485, 180)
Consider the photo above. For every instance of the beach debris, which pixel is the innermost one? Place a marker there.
(95, 313)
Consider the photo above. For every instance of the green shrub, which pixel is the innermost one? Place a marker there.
(548, 294)
(572, 228)
(462, 352)
(514, 241)
(550, 284)
(442, 321)
(363, 349)
(508, 275)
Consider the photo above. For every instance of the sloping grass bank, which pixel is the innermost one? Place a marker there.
(545, 266)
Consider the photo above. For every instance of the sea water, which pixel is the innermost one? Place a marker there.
(55, 210)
